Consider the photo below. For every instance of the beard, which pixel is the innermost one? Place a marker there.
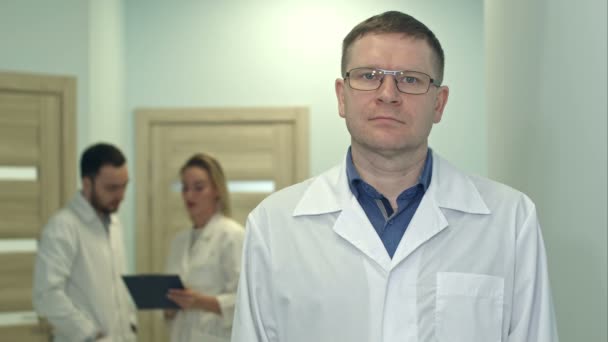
(101, 207)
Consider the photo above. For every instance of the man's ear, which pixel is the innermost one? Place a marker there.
(87, 186)
(339, 85)
(441, 99)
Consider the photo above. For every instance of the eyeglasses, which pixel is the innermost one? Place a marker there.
(409, 82)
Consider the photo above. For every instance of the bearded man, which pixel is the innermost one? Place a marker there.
(81, 257)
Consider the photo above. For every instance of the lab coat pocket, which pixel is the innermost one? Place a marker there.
(209, 328)
(469, 307)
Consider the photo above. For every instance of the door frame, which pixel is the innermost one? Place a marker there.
(64, 87)
(146, 118)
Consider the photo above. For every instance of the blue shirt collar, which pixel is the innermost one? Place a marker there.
(354, 177)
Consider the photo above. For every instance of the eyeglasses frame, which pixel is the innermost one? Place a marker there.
(394, 73)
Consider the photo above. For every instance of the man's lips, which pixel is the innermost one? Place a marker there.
(385, 118)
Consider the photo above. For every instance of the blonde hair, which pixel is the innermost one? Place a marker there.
(216, 174)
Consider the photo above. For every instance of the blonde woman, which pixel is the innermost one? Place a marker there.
(207, 257)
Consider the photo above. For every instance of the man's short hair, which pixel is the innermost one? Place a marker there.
(395, 22)
(97, 156)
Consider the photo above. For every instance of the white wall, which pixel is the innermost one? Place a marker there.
(107, 111)
(546, 77)
(50, 37)
(108, 118)
(283, 53)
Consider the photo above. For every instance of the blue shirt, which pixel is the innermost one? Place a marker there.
(390, 225)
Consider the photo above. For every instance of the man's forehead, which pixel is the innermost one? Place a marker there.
(404, 48)
(399, 40)
(113, 172)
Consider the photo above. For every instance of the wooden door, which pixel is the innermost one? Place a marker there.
(37, 176)
(260, 150)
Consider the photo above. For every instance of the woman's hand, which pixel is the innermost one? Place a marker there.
(185, 298)
(189, 299)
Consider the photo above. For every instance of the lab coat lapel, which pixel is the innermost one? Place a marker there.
(199, 249)
(193, 247)
(427, 222)
(184, 266)
(330, 193)
(83, 209)
(354, 226)
(449, 189)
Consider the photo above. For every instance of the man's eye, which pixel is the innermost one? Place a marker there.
(369, 76)
(410, 80)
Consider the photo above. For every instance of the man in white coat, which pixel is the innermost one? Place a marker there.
(395, 244)
(77, 279)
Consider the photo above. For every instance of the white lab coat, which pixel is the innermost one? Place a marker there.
(77, 278)
(212, 267)
(471, 267)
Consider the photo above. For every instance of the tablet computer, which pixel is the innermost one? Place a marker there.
(149, 291)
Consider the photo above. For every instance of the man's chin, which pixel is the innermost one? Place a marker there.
(109, 210)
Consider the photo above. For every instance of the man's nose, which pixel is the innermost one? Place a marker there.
(388, 91)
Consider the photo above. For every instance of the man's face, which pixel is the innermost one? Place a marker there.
(107, 189)
(385, 120)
